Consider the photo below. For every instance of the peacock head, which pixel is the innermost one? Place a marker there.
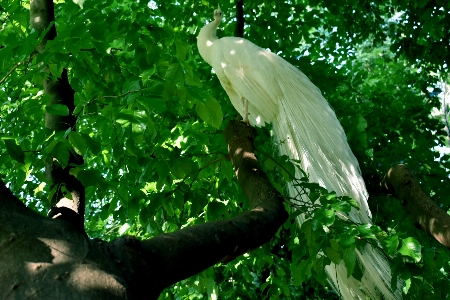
(218, 14)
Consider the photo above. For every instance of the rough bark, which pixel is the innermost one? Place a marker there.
(60, 92)
(44, 258)
(239, 29)
(42, 13)
(424, 212)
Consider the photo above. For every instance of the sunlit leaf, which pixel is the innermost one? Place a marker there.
(412, 248)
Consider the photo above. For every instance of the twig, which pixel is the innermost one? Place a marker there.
(446, 110)
(112, 229)
(16, 66)
(284, 169)
(121, 95)
(10, 72)
(117, 63)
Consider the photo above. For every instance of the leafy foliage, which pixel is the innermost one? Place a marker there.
(150, 113)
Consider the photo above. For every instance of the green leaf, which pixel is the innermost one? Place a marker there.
(325, 216)
(357, 272)
(92, 144)
(57, 109)
(181, 167)
(178, 200)
(174, 74)
(153, 104)
(347, 238)
(61, 153)
(333, 255)
(144, 217)
(89, 177)
(343, 206)
(269, 164)
(132, 149)
(138, 120)
(407, 282)
(181, 50)
(350, 259)
(163, 170)
(300, 271)
(362, 123)
(156, 201)
(133, 207)
(147, 74)
(330, 196)
(350, 201)
(14, 150)
(32, 108)
(319, 268)
(132, 84)
(55, 70)
(411, 247)
(210, 286)
(168, 206)
(390, 244)
(368, 230)
(77, 142)
(51, 194)
(210, 111)
(306, 229)
(287, 168)
(298, 252)
(215, 210)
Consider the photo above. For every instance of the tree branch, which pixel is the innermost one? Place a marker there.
(239, 29)
(423, 211)
(183, 253)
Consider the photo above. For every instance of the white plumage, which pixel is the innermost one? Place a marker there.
(308, 130)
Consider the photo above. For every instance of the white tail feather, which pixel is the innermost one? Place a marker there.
(313, 135)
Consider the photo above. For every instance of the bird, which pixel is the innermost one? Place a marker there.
(265, 88)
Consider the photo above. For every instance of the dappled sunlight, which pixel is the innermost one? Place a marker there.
(86, 278)
(61, 250)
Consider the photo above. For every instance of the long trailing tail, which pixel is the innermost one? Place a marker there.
(309, 131)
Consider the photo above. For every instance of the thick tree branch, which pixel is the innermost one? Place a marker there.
(43, 258)
(423, 211)
(8, 202)
(183, 253)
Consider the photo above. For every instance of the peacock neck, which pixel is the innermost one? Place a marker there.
(206, 39)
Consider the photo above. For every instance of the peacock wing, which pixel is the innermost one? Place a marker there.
(246, 71)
